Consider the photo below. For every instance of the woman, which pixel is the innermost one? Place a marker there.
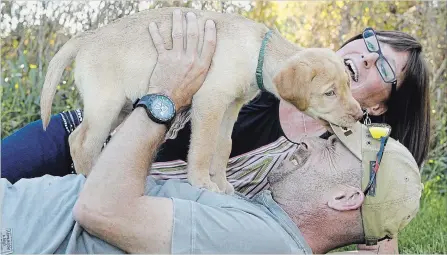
(407, 109)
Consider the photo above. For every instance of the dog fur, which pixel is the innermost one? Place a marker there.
(114, 64)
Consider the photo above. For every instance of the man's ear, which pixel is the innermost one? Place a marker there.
(377, 109)
(293, 83)
(347, 198)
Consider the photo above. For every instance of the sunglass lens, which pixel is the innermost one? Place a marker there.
(385, 70)
(372, 43)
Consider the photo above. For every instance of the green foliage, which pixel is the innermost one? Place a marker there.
(427, 233)
(29, 41)
(24, 61)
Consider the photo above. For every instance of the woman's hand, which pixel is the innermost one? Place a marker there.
(180, 72)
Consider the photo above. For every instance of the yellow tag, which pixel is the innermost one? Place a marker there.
(379, 131)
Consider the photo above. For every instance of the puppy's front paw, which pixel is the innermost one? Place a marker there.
(229, 190)
(204, 183)
(223, 184)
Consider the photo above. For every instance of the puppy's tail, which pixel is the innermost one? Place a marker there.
(54, 72)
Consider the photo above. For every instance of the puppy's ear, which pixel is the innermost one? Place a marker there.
(293, 83)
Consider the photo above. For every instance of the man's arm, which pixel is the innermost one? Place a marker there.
(112, 205)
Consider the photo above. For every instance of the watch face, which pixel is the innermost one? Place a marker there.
(161, 107)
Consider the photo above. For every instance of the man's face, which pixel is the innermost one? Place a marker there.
(315, 172)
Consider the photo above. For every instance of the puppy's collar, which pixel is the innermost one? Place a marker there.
(259, 79)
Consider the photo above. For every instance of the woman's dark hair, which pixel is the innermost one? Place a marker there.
(408, 111)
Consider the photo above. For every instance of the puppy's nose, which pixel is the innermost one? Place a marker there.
(358, 115)
(356, 111)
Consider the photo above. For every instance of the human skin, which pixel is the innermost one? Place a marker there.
(319, 187)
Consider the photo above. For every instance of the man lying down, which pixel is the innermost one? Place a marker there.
(315, 203)
(328, 193)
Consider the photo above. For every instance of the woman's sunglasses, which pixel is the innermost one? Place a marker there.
(382, 64)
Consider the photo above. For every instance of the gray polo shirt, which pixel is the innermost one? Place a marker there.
(37, 218)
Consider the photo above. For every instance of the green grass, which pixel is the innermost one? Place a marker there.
(427, 233)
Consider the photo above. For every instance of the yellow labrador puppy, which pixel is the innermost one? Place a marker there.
(114, 64)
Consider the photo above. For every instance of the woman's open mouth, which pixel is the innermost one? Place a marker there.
(353, 71)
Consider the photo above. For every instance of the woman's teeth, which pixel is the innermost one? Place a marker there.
(352, 70)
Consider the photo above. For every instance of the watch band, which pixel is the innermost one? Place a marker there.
(141, 102)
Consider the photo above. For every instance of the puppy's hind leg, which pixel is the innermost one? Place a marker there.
(208, 109)
(101, 109)
(220, 158)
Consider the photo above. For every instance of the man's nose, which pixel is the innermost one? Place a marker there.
(370, 59)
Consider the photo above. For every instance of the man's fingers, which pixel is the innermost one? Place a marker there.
(177, 30)
(209, 42)
(192, 34)
(156, 38)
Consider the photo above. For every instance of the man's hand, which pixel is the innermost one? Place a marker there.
(387, 246)
(180, 72)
